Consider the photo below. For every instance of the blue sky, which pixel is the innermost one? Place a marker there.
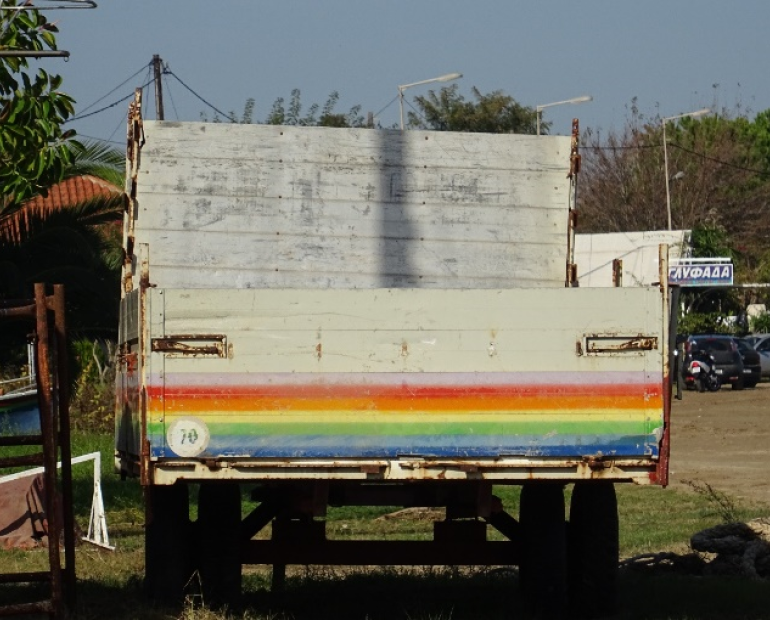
(674, 56)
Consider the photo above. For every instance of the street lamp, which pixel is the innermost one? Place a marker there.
(539, 109)
(664, 121)
(449, 77)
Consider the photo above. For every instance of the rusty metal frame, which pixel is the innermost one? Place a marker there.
(46, 312)
(669, 343)
(571, 273)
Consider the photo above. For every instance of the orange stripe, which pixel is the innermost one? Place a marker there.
(236, 404)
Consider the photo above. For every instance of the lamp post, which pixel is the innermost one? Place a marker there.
(664, 121)
(539, 109)
(449, 77)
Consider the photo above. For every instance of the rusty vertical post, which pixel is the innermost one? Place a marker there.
(63, 391)
(571, 278)
(669, 331)
(617, 272)
(48, 432)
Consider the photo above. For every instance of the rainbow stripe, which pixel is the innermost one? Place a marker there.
(315, 415)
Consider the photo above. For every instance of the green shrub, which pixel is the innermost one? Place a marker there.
(93, 393)
(760, 324)
(704, 323)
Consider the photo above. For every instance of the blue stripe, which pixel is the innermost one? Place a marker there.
(456, 446)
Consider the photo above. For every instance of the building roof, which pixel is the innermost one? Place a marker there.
(69, 192)
(72, 191)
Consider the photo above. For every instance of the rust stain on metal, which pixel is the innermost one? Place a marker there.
(319, 351)
(135, 142)
(617, 272)
(645, 344)
(145, 477)
(192, 344)
(596, 462)
(609, 344)
(404, 349)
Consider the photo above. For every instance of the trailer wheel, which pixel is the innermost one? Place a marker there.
(219, 540)
(543, 566)
(593, 550)
(167, 557)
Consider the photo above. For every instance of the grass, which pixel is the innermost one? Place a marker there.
(652, 520)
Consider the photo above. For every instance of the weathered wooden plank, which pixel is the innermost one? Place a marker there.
(277, 331)
(317, 184)
(260, 257)
(284, 207)
(508, 223)
(355, 148)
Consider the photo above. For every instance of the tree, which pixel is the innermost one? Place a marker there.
(281, 115)
(77, 244)
(719, 185)
(33, 145)
(73, 244)
(494, 112)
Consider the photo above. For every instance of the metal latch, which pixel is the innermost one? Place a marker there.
(609, 344)
(208, 345)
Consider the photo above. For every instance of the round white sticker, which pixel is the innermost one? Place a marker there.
(188, 436)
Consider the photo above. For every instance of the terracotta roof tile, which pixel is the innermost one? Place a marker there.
(72, 191)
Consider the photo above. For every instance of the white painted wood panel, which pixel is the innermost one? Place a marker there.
(410, 330)
(255, 206)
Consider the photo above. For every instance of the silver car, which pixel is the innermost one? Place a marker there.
(761, 342)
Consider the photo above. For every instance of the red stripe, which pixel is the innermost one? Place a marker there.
(403, 391)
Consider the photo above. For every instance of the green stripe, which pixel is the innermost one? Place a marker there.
(428, 428)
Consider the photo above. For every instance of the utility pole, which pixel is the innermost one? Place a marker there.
(157, 65)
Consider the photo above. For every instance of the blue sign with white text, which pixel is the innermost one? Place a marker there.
(702, 274)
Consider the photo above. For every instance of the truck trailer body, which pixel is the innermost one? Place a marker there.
(373, 316)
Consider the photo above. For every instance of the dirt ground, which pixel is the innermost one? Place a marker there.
(723, 439)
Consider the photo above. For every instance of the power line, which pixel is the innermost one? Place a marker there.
(719, 161)
(88, 107)
(173, 103)
(81, 135)
(385, 107)
(703, 156)
(107, 107)
(217, 110)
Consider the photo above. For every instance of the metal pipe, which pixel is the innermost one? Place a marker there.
(34, 54)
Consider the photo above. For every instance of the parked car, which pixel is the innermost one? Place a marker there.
(763, 348)
(761, 342)
(757, 340)
(724, 349)
(752, 367)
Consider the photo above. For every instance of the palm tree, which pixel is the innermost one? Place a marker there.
(71, 236)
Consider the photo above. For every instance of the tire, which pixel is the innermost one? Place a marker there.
(219, 537)
(593, 550)
(543, 565)
(168, 565)
(738, 384)
(715, 384)
(751, 384)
